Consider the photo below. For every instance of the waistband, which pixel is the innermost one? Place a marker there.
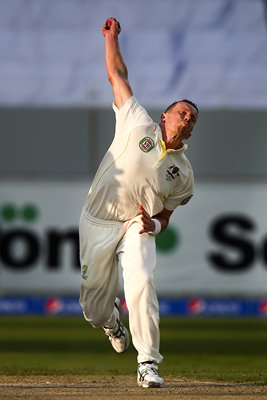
(101, 222)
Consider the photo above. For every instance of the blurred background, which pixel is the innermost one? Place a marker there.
(56, 122)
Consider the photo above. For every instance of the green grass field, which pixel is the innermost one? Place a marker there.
(218, 349)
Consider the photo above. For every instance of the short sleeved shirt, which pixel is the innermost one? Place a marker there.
(137, 169)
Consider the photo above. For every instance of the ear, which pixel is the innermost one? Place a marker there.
(163, 117)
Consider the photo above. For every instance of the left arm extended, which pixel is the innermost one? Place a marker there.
(147, 222)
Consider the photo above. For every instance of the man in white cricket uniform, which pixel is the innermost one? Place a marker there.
(143, 177)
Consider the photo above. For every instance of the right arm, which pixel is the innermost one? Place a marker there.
(116, 69)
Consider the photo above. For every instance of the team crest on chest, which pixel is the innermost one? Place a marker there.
(172, 172)
(146, 144)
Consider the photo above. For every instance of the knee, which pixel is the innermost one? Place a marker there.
(97, 304)
(95, 321)
(94, 312)
(145, 280)
(144, 288)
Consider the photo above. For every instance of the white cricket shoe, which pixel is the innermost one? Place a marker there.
(148, 376)
(118, 335)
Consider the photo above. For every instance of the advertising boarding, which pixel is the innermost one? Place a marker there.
(216, 245)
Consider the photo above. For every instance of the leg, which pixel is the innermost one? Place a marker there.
(99, 283)
(137, 256)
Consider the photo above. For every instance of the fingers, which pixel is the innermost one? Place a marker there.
(145, 219)
(143, 214)
(111, 24)
(141, 208)
(111, 20)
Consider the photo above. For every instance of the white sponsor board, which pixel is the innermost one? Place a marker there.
(221, 246)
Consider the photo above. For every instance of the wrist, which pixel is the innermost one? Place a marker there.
(157, 229)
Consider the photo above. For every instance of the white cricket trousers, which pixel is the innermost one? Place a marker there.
(104, 247)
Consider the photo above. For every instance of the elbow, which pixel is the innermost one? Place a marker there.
(110, 79)
(116, 77)
(112, 76)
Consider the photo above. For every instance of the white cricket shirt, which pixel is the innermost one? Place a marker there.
(137, 169)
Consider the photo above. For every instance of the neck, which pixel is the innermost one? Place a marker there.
(172, 141)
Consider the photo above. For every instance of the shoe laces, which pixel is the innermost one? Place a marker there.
(146, 368)
(117, 332)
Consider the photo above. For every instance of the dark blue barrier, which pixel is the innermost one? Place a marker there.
(200, 306)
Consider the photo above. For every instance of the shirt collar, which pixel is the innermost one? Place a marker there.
(158, 133)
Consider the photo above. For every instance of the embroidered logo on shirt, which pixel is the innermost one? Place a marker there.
(172, 173)
(146, 144)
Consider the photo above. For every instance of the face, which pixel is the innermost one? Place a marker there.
(180, 119)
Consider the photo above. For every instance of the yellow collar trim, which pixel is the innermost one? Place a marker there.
(164, 150)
